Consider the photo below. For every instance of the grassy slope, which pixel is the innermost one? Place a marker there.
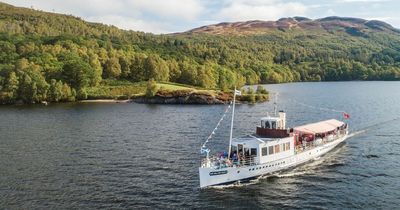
(113, 89)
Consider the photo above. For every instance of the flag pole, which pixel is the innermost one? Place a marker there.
(233, 115)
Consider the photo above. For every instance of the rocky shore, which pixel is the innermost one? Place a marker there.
(184, 97)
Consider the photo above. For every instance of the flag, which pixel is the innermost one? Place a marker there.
(237, 92)
(346, 115)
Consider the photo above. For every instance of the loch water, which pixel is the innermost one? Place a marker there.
(136, 156)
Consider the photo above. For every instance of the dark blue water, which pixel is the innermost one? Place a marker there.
(115, 156)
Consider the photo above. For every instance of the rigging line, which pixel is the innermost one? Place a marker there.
(216, 128)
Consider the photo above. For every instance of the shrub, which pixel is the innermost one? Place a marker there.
(261, 90)
(250, 90)
(152, 88)
(82, 94)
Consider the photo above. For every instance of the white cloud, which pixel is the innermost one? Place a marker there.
(330, 12)
(240, 10)
(132, 23)
(142, 15)
(361, 1)
(185, 9)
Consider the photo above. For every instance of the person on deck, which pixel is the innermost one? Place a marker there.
(234, 158)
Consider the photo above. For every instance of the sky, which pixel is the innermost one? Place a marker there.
(168, 16)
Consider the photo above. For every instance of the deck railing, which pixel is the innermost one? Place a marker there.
(312, 144)
(225, 162)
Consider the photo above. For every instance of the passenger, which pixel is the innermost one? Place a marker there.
(234, 158)
(222, 161)
(228, 162)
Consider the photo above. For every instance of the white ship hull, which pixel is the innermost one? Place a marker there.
(210, 176)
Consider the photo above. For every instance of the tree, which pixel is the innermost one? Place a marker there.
(152, 88)
(112, 68)
(68, 94)
(125, 66)
(174, 70)
(156, 68)
(250, 91)
(97, 70)
(27, 89)
(12, 86)
(137, 72)
(82, 94)
(78, 74)
(205, 77)
(55, 91)
(261, 90)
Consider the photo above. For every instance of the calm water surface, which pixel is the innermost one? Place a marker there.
(79, 156)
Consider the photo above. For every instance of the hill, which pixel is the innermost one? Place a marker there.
(56, 57)
(352, 26)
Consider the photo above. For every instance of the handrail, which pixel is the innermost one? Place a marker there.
(311, 144)
(225, 162)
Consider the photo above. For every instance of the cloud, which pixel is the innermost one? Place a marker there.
(142, 15)
(183, 9)
(133, 24)
(361, 1)
(240, 10)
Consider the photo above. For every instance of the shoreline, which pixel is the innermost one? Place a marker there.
(105, 101)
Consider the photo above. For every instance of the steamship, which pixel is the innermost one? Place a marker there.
(272, 148)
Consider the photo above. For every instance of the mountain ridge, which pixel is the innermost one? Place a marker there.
(292, 23)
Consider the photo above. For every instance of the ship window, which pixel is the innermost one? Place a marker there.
(288, 146)
(264, 151)
(277, 148)
(253, 151)
(273, 123)
(283, 147)
(271, 150)
(267, 125)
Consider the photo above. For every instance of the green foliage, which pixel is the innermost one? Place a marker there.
(261, 90)
(77, 73)
(250, 91)
(156, 68)
(52, 57)
(55, 91)
(152, 88)
(82, 94)
(112, 68)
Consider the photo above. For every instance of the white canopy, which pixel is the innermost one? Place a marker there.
(319, 127)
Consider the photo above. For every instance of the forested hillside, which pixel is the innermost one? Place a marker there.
(52, 57)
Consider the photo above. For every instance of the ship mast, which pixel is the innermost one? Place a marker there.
(233, 115)
(275, 103)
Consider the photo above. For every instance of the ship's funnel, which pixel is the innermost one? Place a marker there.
(282, 116)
